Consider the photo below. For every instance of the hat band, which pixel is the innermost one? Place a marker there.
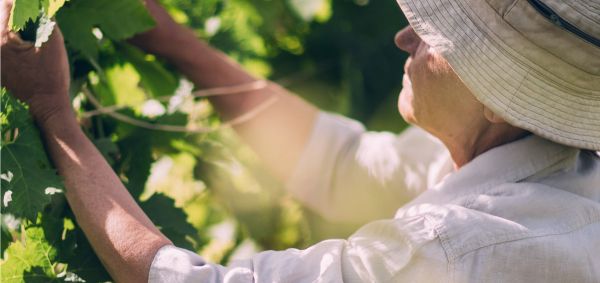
(549, 14)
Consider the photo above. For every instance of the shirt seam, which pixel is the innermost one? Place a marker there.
(571, 229)
(442, 238)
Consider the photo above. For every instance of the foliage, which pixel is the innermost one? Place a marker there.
(204, 191)
(25, 179)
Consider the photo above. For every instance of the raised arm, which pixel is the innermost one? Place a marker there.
(278, 135)
(340, 169)
(122, 236)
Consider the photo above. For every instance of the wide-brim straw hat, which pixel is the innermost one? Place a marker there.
(536, 63)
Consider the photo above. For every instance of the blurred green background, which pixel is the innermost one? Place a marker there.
(337, 54)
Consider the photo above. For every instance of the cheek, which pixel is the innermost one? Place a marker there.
(430, 75)
(420, 78)
(438, 67)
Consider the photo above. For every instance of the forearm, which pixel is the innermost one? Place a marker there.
(278, 134)
(207, 67)
(112, 221)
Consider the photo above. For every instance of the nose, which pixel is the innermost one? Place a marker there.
(407, 40)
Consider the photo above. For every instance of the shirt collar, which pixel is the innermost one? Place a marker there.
(508, 163)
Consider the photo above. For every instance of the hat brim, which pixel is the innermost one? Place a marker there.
(490, 56)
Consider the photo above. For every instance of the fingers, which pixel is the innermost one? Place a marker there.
(29, 71)
(14, 52)
(13, 41)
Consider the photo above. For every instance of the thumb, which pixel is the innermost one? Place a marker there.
(13, 41)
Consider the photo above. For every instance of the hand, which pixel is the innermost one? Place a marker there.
(37, 76)
(160, 39)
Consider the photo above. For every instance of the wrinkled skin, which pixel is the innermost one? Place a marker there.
(433, 96)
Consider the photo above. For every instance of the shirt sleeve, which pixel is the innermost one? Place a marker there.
(345, 168)
(399, 250)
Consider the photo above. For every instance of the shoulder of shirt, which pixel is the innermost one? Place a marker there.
(507, 213)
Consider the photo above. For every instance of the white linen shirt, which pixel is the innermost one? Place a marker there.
(527, 211)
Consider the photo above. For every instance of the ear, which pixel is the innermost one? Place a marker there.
(491, 116)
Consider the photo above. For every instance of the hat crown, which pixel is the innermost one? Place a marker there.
(569, 30)
(582, 14)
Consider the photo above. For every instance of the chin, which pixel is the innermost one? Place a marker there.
(405, 106)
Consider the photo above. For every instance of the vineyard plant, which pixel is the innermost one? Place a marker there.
(203, 189)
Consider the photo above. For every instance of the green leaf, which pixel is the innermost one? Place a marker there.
(52, 6)
(171, 220)
(38, 30)
(24, 157)
(136, 163)
(14, 114)
(163, 213)
(83, 261)
(52, 221)
(30, 260)
(107, 148)
(124, 85)
(153, 76)
(117, 20)
(23, 11)
(77, 31)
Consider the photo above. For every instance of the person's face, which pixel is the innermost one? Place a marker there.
(433, 97)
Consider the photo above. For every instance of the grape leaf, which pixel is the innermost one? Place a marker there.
(117, 20)
(29, 10)
(155, 79)
(23, 11)
(25, 158)
(163, 213)
(171, 219)
(38, 31)
(52, 6)
(136, 163)
(32, 259)
(83, 261)
(13, 113)
(34, 24)
(107, 148)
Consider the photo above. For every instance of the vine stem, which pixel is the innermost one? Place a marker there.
(229, 90)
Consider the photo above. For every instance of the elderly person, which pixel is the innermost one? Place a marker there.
(500, 183)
